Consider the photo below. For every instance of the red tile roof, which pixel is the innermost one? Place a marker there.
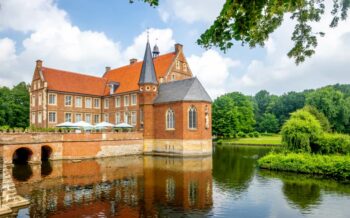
(128, 76)
(65, 81)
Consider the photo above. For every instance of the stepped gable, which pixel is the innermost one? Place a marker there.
(182, 90)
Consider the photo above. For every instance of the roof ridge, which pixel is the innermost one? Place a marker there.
(80, 74)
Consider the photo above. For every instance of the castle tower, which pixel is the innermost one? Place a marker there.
(148, 86)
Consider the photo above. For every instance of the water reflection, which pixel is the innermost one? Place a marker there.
(22, 172)
(120, 187)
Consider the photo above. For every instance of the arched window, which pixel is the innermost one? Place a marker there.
(170, 119)
(192, 118)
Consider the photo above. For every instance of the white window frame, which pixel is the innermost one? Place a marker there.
(117, 118)
(192, 123)
(52, 112)
(40, 117)
(126, 100)
(133, 99)
(117, 101)
(170, 119)
(40, 97)
(76, 101)
(65, 117)
(106, 115)
(88, 99)
(133, 118)
(33, 100)
(99, 119)
(177, 63)
(99, 103)
(86, 115)
(65, 101)
(75, 117)
(33, 117)
(106, 103)
(55, 98)
(126, 117)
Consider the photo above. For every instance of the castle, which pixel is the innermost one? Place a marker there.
(158, 96)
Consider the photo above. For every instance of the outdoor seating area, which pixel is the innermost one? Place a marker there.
(87, 127)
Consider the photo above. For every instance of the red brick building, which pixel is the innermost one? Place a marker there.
(158, 96)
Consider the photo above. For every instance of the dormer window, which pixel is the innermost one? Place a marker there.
(113, 87)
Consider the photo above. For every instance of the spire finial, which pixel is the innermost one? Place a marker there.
(147, 34)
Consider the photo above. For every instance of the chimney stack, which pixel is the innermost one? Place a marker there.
(133, 60)
(108, 69)
(39, 64)
(178, 47)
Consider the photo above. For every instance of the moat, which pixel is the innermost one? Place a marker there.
(228, 184)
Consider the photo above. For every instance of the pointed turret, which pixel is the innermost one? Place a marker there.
(148, 73)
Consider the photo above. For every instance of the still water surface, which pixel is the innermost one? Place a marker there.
(225, 185)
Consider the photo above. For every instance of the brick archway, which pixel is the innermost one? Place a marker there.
(22, 155)
(46, 152)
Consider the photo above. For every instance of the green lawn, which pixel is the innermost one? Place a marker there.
(262, 140)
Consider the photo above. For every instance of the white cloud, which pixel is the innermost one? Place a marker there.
(191, 11)
(163, 38)
(55, 40)
(213, 70)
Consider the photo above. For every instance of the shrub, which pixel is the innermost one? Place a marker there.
(4, 128)
(241, 135)
(336, 166)
(332, 144)
(256, 134)
(300, 131)
(251, 135)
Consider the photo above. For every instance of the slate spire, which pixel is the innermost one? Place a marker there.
(148, 73)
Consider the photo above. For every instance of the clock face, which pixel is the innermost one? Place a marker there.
(147, 88)
(141, 89)
(154, 88)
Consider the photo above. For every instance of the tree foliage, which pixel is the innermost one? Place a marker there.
(268, 123)
(14, 106)
(300, 131)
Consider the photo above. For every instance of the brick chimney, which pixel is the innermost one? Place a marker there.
(178, 47)
(108, 69)
(133, 60)
(39, 64)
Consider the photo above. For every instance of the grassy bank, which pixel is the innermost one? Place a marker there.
(336, 166)
(262, 140)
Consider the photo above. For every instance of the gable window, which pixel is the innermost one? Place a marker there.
(78, 117)
(68, 100)
(68, 117)
(133, 118)
(192, 118)
(172, 77)
(106, 118)
(106, 103)
(96, 103)
(88, 118)
(52, 117)
(33, 100)
(40, 117)
(87, 102)
(177, 64)
(117, 101)
(78, 101)
(52, 99)
(133, 99)
(96, 118)
(39, 99)
(184, 67)
(117, 118)
(170, 119)
(126, 100)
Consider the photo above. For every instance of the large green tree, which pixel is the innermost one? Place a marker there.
(252, 22)
(14, 106)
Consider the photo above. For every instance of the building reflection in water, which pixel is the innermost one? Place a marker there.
(131, 186)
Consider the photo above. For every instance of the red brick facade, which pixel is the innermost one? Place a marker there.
(59, 96)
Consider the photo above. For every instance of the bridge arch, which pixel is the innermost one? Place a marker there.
(22, 155)
(46, 152)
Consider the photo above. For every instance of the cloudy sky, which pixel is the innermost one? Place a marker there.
(85, 36)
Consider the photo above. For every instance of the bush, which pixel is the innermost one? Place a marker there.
(256, 134)
(332, 144)
(336, 166)
(301, 130)
(5, 128)
(241, 135)
(251, 135)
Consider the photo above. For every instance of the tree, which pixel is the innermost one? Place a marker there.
(268, 123)
(252, 21)
(300, 131)
(333, 105)
(326, 126)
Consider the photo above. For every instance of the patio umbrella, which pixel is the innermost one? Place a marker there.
(65, 125)
(83, 125)
(123, 125)
(103, 125)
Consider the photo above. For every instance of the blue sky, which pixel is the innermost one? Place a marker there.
(85, 36)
